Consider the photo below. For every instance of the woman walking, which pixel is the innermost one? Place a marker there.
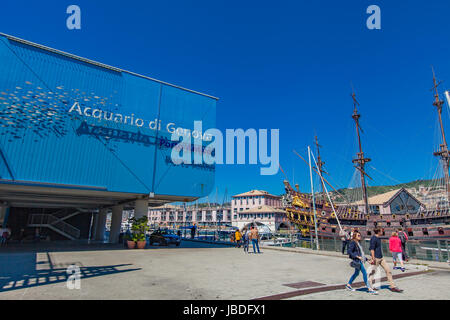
(356, 253)
(395, 246)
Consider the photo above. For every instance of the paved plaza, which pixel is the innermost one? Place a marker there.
(197, 271)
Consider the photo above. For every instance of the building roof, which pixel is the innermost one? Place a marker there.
(255, 193)
(262, 209)
(164, 206)
(98, 64)
(385, 198)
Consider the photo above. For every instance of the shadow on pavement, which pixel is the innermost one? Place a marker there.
(22, 270)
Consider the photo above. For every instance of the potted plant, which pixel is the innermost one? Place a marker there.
(130, 242)
(139, 230)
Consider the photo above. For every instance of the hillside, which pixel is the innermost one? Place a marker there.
(374, 190)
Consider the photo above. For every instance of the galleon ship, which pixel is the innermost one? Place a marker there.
(428, 218)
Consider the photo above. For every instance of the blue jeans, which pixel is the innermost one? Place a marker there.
(344, 245)
(356, 273)
(255, 242)
(246, 246)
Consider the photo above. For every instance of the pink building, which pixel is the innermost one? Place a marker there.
(258, 207)
(254, 198)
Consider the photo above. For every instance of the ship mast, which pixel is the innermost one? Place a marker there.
(443, 152)
(320, 165)
(360, 160)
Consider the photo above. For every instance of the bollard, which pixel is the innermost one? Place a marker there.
(439, 250)
(448, 252)
(335, 244)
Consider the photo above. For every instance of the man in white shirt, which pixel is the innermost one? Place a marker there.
(345, 237)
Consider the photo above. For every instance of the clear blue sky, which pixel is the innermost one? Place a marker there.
(283, 64)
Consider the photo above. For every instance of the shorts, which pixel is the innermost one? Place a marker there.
(397, 256)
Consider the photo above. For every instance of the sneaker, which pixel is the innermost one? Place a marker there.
(372, 291)
(349, 287)
(395, 289)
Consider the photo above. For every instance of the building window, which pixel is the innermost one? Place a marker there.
(375, 209)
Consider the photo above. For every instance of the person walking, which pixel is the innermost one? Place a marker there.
(37, 235)
(3, 236)
(377, 260)
(356, 253)
(395, 246)
(193, 231)
(403, 238)
(6, 235)
(22, 235)
(254, 236)
(345, 238)
(238, 237)
(246, 239)
(232, 239)
(351, 232)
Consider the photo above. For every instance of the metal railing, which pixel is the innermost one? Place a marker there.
(428, 250)
(48, 220)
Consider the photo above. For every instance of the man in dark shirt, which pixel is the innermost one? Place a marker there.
(378, 260)
(193, 230)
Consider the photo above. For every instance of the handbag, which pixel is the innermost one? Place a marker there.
(355, 265)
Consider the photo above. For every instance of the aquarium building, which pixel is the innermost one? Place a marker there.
(80, 139)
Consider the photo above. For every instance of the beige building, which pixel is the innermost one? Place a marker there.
(171, 215)
(399, 201)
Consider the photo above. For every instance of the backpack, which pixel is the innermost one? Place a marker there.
(402, 237)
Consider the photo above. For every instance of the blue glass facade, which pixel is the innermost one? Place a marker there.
(66, 121)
